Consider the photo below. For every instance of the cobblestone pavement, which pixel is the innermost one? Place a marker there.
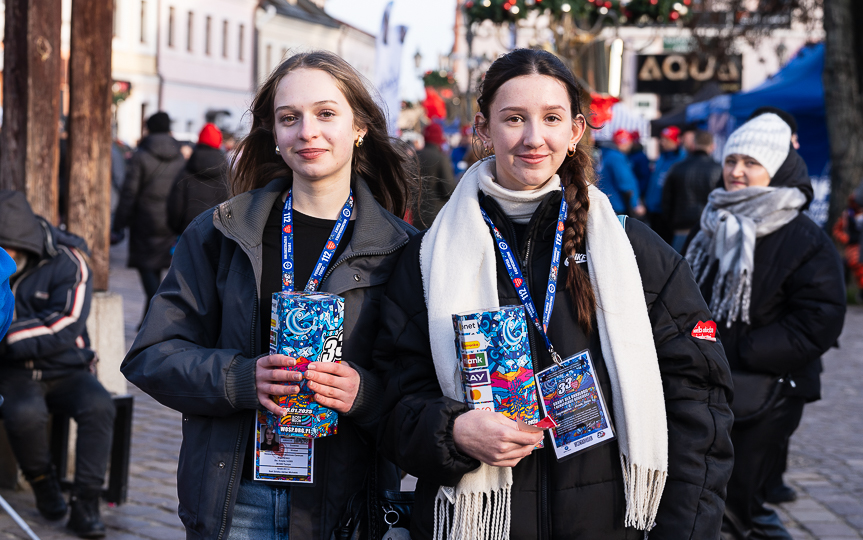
(825, 464)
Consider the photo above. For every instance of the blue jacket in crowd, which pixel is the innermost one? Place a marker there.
(640, 164)
(653, 196)
(615, 179)
(7, 301)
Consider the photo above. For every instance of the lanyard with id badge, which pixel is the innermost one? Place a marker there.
(308, 326)
(571, 398)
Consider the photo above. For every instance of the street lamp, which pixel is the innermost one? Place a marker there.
(418, 59)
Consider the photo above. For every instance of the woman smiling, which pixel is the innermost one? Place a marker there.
(319, 174)
(519, 220)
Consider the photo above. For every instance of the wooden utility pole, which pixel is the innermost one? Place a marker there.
(29, 144)
(843, 100)
(90, 130)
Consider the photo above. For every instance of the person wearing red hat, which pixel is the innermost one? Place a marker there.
(639, 161)
(202, 184)
(615, 177)
(669, 142)
(438, 181)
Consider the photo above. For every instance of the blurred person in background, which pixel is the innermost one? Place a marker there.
(615, 177)
(202, 184)
(459, 152)
(46, 364)
(143, 204)
(774, 283)
(687, 186)
(438, 181)
(671, 153)
(640, 162)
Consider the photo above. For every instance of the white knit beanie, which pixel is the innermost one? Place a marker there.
(767, 138)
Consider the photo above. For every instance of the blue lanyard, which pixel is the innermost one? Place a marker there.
(514, 271)
(326, 254)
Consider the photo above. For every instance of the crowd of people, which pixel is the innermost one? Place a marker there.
(701, 294)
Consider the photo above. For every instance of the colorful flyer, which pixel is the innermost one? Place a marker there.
(572, 397)
(307, 327)
(279, 458)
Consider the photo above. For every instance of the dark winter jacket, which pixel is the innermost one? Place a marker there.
(686, 188)
(438, 184)
(48, 336)
(583, 496)
(196, 353)
(200, 186)
(653, 196)
(798, 298)
(640, 167)
(143, 201)
(615, 179)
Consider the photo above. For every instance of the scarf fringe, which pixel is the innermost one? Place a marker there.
(473, 516)
(643, 489)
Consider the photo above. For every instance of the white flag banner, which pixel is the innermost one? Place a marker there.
(388, 62)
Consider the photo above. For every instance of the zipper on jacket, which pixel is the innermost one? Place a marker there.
(243, 428)
(233, 479)
(542, 464)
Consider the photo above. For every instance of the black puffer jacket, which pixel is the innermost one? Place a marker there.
(200, 186)
(686, 188)
(798, 298)
(196, 353)
(581, 497)
(143, 201)
(48, 336)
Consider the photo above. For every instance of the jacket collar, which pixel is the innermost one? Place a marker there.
(242, 219)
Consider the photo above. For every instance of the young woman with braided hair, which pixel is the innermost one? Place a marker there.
(629, 300)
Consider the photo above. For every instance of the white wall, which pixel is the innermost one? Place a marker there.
(134, 60)
(194, 81)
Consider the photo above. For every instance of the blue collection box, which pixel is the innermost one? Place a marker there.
(495, 360)
(307, 327)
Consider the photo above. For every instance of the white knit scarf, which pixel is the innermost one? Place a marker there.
(730, 224)
(459, 271)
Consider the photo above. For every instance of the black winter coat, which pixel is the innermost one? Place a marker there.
(686, 188)
(438, 184)
(581, 497)
(48, 335)
(201, 185)
(197, 349)
(143, 201)
(798, 298)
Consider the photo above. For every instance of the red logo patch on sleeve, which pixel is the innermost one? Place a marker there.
(705, 330)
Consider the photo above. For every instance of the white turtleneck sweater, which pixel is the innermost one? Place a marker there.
(519, 206)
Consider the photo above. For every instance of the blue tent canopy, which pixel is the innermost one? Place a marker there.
(798, 89)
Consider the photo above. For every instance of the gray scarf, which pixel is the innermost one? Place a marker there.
(730, 224)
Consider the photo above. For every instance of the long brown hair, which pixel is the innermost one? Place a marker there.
(576, 172)
(382, 161)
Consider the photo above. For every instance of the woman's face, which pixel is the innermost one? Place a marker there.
(269, 435)
(531, 128)
(740, 171)
(314, 126)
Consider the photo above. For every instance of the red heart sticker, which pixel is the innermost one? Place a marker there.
(517, 282)
(705, 330)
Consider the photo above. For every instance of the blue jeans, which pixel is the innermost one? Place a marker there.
(261, 513)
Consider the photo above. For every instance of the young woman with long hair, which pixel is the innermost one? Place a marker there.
(318, 157)
(628, 300)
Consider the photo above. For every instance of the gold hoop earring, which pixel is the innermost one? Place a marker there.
(359, 141)
(571, 151)
(278, 150)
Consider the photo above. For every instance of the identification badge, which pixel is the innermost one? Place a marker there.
(279, 458)
(571, 396)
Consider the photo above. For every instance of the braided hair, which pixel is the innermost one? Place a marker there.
(576, 172)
